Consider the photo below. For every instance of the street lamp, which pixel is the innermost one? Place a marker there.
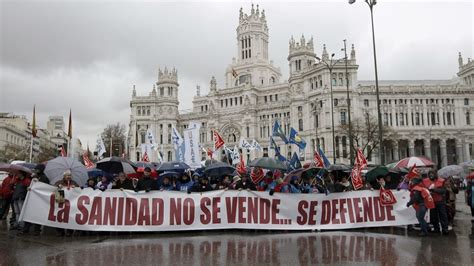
(351, 144)
(371, 4)
(330, 65)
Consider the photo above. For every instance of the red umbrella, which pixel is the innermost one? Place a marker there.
(470, 176)
(411, 161)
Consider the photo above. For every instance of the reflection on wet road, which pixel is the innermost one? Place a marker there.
(239, 248)
(376, 246)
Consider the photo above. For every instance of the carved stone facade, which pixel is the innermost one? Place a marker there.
(430, 118)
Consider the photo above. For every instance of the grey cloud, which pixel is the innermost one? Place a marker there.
(87, 55)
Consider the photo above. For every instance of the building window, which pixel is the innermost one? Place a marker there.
(385, 119)
(468, 118)
(417, 119)
(300, 124)
(162, 91)
(343, 118)
(139, 110)
(142, 137)
(448, 118)
(402, 119)
(265, 152)
(366, 103)
(340, 82)
(300, 108)
(344, 147)
(466, 101)
(276, 97)
(148, 110)
(334, 82)
(248, 132)
(265, 98)
(271, 98)
(170, 156)
(336, 102)
(433, 118)
(240, 101)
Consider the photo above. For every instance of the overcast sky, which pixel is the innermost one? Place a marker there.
(86, 55)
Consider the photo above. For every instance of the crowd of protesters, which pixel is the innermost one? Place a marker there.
(442, 192)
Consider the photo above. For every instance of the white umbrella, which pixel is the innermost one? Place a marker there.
(55, 169)
(450, 170)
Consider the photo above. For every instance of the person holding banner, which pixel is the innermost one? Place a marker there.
(123, 182)
(146, 183)
(184, 183)
(245, 183)
(166, 185)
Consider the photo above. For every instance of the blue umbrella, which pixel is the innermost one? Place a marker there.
(174, 166)
(219, 169)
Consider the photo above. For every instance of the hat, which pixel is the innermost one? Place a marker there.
(67, 172)
(236, 178)
(147, 169)
(39, 167)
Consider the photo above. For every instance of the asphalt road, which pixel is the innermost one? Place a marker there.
(375, 246)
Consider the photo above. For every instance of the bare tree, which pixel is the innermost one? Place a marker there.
(365, 133)
(114, 135)
(11, 152)
(46, 154)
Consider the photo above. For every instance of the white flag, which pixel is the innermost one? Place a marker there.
(256, 146)
(151, 139)
(192, 155)
(235, 155)
(178, 144)
(100, 147)
(244, 144)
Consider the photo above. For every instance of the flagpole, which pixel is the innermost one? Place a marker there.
(31, 148)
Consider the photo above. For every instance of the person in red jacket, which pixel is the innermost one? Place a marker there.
(421, 200)
(439, 213)
(6, 192)
(20, 189)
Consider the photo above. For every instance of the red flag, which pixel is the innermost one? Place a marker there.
(318, 161)
(63, 152)
(218, 141)
(356, 174)
(145, 157)
(241, 169)
(87, 162)
(257, 175)
(386, 197)
(209, 153)
(33, 126)
(413, 173)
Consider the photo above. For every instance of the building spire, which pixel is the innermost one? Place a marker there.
(460, 60)
(325, 53)
(353, 53)
(134, 92)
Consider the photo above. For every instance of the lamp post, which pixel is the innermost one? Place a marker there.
(371, 4)
(330, 65)
(351, 144)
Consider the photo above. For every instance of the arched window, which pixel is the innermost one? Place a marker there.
(170, 156)
(448, 118)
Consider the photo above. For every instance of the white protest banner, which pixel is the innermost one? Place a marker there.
(192, 152)
(115, 210)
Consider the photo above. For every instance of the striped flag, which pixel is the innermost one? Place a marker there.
(360, 163)
(87, 162)
(317, 160)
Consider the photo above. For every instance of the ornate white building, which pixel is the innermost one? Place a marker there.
(424, 117)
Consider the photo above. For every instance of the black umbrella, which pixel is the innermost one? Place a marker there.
(339, 167)
(376, 172)
(219, 169)
(269, 163)
(115, 165)
(174, 166)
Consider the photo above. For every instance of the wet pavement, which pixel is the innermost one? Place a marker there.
(375, 246)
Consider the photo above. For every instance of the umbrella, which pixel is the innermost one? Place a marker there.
(310, 172)
(375, 172)
(30, 166)
(468, 164)
(391, 165)
(219, 169)
(115, 165)
(169, 174)
(411, 161)
(268, 163)
(94, 172)
(297, 173)
(14, 168)
(450, 170)
(339, 167)
(174, 166)
(55, 169)
(470, 176)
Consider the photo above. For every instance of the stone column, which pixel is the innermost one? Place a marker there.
(396, 151)
(411, 147)
(427, 147)
(459, 153)
(467, 156)
(444, 156)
